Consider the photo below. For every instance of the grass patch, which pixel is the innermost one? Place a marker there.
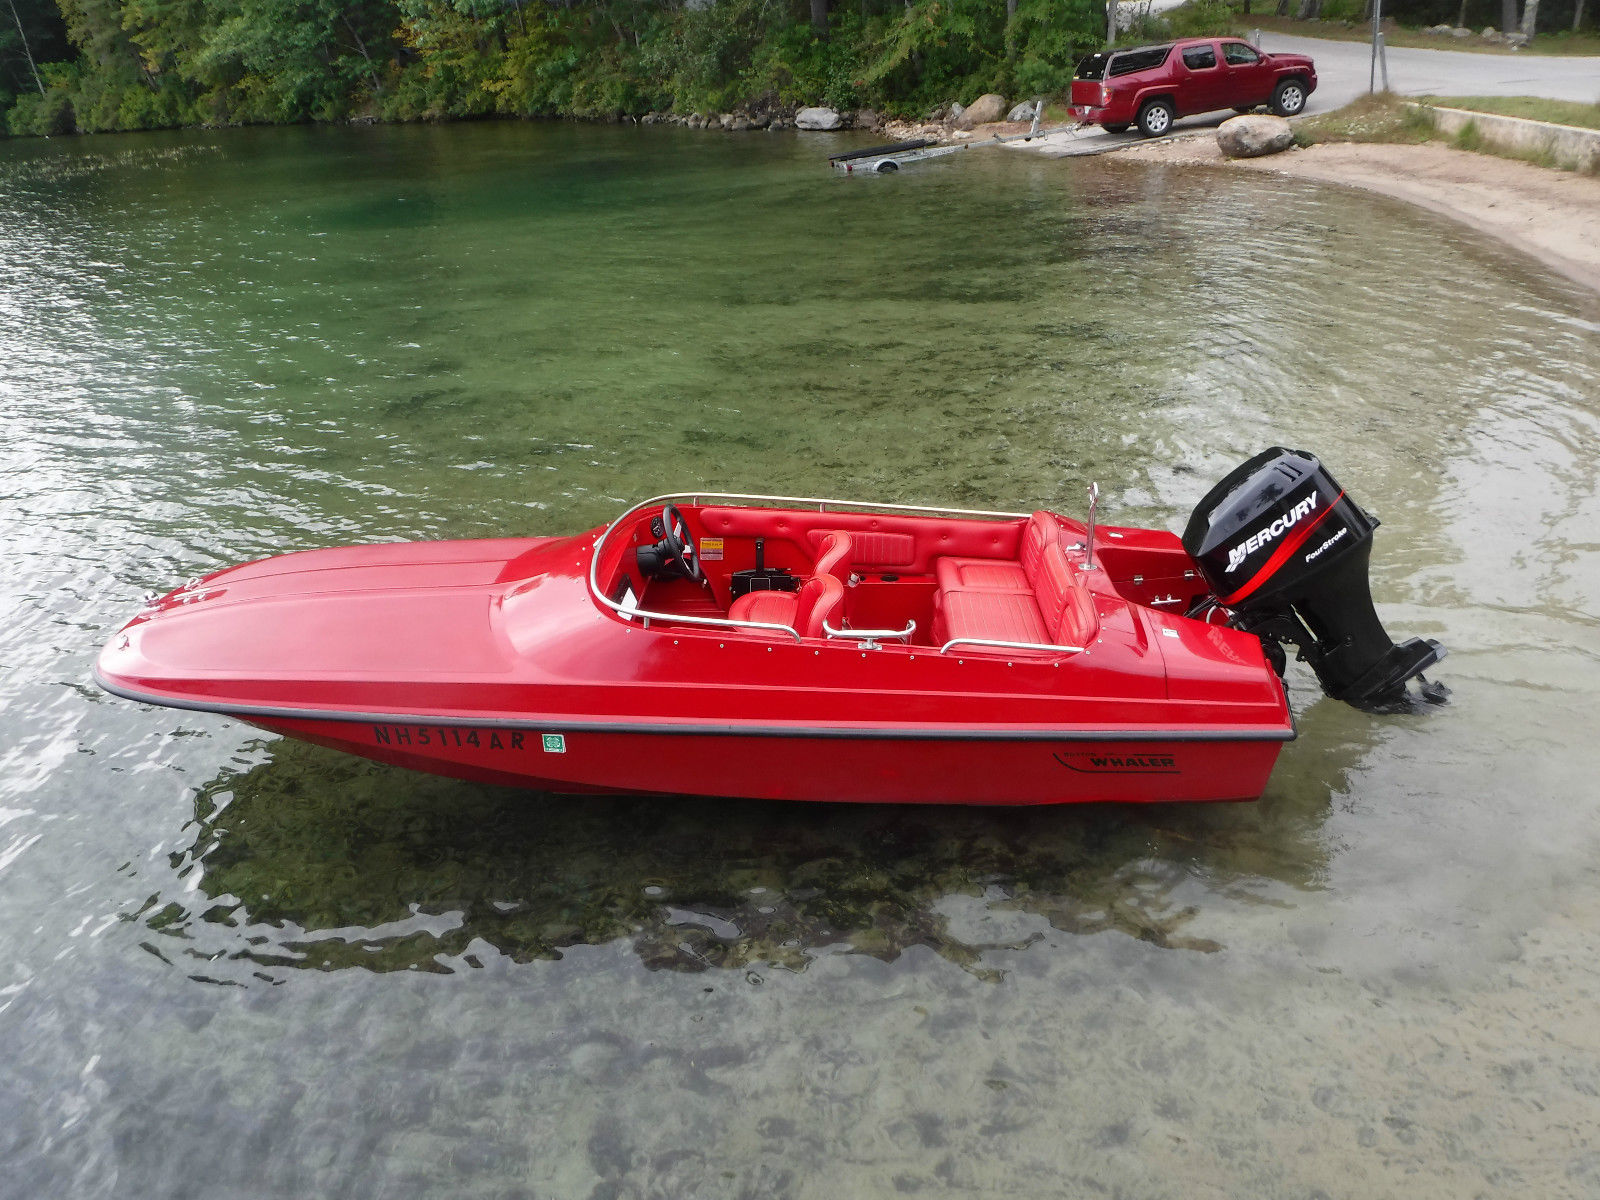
(1561, 112)
(1381, 117)
(1356, 30)
(1385, 117)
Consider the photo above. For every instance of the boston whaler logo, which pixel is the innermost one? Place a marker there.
(1091, 762)
(1271, 533)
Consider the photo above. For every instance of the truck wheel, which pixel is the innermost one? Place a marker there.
(1289, 98)
(1155, 118)
(1123, 128)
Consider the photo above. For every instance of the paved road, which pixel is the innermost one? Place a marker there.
(1342, 71)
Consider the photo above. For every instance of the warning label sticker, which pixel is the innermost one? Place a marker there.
(711, 549)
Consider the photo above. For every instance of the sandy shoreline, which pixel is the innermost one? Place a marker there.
(1552, 215)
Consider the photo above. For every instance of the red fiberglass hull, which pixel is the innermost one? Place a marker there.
(788, 766)
(492, 661)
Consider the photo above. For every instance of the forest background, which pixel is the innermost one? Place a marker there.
(93, 65)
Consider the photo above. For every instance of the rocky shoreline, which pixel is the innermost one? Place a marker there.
(949, 121)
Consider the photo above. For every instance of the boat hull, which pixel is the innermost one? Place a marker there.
(494, 661)
(840, 766)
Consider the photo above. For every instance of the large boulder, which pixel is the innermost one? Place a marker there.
(982, 111)
(817, 118)
(1253, 136)
(1023, 112)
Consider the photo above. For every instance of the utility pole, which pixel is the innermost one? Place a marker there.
(1378, 56)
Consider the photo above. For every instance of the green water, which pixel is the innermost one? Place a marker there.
(232, 966)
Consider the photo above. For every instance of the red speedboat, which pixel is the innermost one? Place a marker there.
(805, 649)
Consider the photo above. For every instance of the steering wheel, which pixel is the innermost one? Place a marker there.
(675, 534)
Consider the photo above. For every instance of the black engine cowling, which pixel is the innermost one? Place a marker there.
(1285, 551)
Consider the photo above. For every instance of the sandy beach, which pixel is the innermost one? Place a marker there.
(1552, 215)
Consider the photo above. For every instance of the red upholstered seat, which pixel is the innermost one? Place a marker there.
(985, 574)
(769, 608)
(835, 556)
(820, 598)
(1003, 574)
(998, 616)
(1056, 610)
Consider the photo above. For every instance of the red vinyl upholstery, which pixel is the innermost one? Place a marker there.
(1000, 574)
(820, 598)
(884, 549)
(1056, 610)
(1002, 616)
(834, 558)
(909, 544)
(769, 608)
(981, 574)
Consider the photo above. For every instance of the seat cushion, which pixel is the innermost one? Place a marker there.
(834, 556)
(1004, 574)
(1064, 603)
(769, 608)
(1079, 621)
(1042, 531)
(997, 616)
(981, 574)
(821, 599)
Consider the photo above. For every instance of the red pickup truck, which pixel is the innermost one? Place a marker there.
(1152, 86)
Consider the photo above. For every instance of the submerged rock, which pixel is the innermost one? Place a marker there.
(986, 108)
(817, 118)
(1253, 136)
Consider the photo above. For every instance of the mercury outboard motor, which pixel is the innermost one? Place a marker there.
(1285, 551)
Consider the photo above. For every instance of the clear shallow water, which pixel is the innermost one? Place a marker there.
(239, 967)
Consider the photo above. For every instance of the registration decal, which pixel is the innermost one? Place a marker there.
(555, 743)
(449, 737)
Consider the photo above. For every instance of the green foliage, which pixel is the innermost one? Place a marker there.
(1050, 36)
(1210, 18)
(139, 64)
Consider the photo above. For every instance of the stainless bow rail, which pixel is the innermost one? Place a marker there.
(866, 638)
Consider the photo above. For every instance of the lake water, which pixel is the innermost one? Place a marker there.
(238, 967)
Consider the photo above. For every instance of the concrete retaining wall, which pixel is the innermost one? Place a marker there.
(1568, 145)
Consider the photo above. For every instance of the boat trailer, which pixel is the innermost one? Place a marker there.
(883, 160)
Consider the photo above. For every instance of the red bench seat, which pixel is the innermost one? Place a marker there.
(1038, 599)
